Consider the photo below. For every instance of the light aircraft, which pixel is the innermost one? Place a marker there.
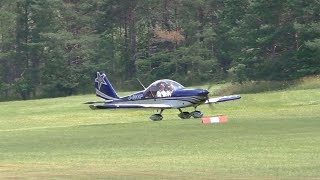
(161, 94)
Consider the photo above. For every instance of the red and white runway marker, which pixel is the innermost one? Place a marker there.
(217, 119)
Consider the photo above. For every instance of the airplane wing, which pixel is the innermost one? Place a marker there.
(223, 99)
(115, 106)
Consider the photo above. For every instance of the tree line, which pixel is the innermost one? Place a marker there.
(51, 48)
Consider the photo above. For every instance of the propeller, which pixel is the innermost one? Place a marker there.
(208, 89)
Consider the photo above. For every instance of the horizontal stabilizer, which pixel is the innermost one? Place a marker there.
(93, 107)
(96, 102)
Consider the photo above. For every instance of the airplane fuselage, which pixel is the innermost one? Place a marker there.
(179, 99)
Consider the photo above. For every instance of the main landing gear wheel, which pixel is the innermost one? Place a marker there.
(157, 117)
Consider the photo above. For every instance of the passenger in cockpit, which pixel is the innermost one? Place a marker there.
(169, 89)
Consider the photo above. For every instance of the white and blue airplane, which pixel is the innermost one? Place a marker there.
(161, 94)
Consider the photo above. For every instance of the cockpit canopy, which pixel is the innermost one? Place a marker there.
(169, 85)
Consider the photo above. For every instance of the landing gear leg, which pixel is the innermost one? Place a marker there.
(157, 117)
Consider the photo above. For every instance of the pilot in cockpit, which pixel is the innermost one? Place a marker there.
(162, 92)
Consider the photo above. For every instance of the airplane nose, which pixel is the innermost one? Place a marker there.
(204, 92)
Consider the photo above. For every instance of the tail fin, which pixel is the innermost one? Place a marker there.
(104, 88)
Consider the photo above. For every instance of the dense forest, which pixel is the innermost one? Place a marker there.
(51, 48)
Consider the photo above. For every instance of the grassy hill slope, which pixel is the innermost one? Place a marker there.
(269, 135)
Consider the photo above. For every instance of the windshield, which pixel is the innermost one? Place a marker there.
(165, 84)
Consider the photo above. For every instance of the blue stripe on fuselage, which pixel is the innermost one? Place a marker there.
(189, 92)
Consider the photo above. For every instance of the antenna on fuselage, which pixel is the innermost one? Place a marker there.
(141, 83)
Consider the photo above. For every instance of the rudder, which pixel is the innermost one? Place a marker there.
(104, 88)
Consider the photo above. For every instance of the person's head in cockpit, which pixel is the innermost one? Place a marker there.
(162, 92)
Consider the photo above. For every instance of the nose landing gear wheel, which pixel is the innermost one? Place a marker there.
(156, 117)
(196, 114)
(184, 115)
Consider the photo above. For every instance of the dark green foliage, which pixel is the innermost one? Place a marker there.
(52, 48)
(277, 45)
(24, 88)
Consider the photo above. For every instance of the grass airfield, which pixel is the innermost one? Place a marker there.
(269, 136)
